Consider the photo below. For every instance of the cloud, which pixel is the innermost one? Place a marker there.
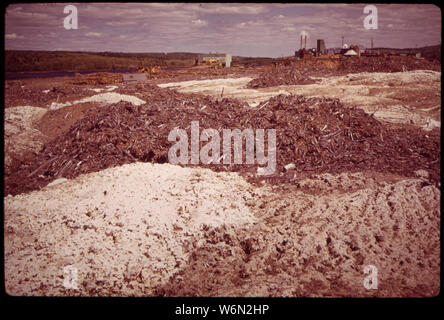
(13, 8)
(200, 22)
(241, 29)
(93, 34)
(289, 28)
(13, 36)
(121, 23)
(244, 9)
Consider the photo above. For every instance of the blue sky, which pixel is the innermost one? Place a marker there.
(247, 29)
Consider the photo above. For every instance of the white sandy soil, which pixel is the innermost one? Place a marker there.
(125, 241)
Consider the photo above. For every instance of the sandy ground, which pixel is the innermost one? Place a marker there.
(21, 136)
(126, 229)
(144, 229)
(315, 239)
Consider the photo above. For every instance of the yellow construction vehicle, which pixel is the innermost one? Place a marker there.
(155, 69)
(215, 63)
(211, 63)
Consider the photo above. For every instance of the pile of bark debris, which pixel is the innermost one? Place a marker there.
(280, 76)
(199, 73)
(301, 72)
(323, 135)
(97, 78)
(313, 135)
(17, 94)
(387, 64)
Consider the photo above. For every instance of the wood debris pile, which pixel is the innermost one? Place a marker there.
(280, 76)
(97, 78)
(387, 64)
(301, 72)
(317, 135)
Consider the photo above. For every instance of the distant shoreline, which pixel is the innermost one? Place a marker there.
(54, 74)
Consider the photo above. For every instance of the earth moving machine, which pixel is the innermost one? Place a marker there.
(211, 63)
(155, 69)
(216, 60)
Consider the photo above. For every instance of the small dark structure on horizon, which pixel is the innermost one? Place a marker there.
(320, 47)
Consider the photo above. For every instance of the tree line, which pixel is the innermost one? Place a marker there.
(34, 61)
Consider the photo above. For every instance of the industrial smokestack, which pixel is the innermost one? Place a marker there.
(304, 35)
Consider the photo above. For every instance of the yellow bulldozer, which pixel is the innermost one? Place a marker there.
(212, 63)
(155, 69)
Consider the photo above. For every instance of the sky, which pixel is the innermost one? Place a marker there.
(242, 29)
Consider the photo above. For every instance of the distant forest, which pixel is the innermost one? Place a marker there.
(34, 61)
(28, 61)
(429, 52)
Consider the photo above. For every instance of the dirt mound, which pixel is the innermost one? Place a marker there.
(56, 122)
(316, 135)
(17, 94)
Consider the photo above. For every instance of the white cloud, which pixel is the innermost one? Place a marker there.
(289, 28)
(200, 22)
(12, 9)
(93, 34)
(13, 36)
(217, 8)
(119, 24)
(261, 29)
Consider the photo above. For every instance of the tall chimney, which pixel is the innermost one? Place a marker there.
(305, 45)
(301, 41)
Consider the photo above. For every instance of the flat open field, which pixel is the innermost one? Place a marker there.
(357, 182)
